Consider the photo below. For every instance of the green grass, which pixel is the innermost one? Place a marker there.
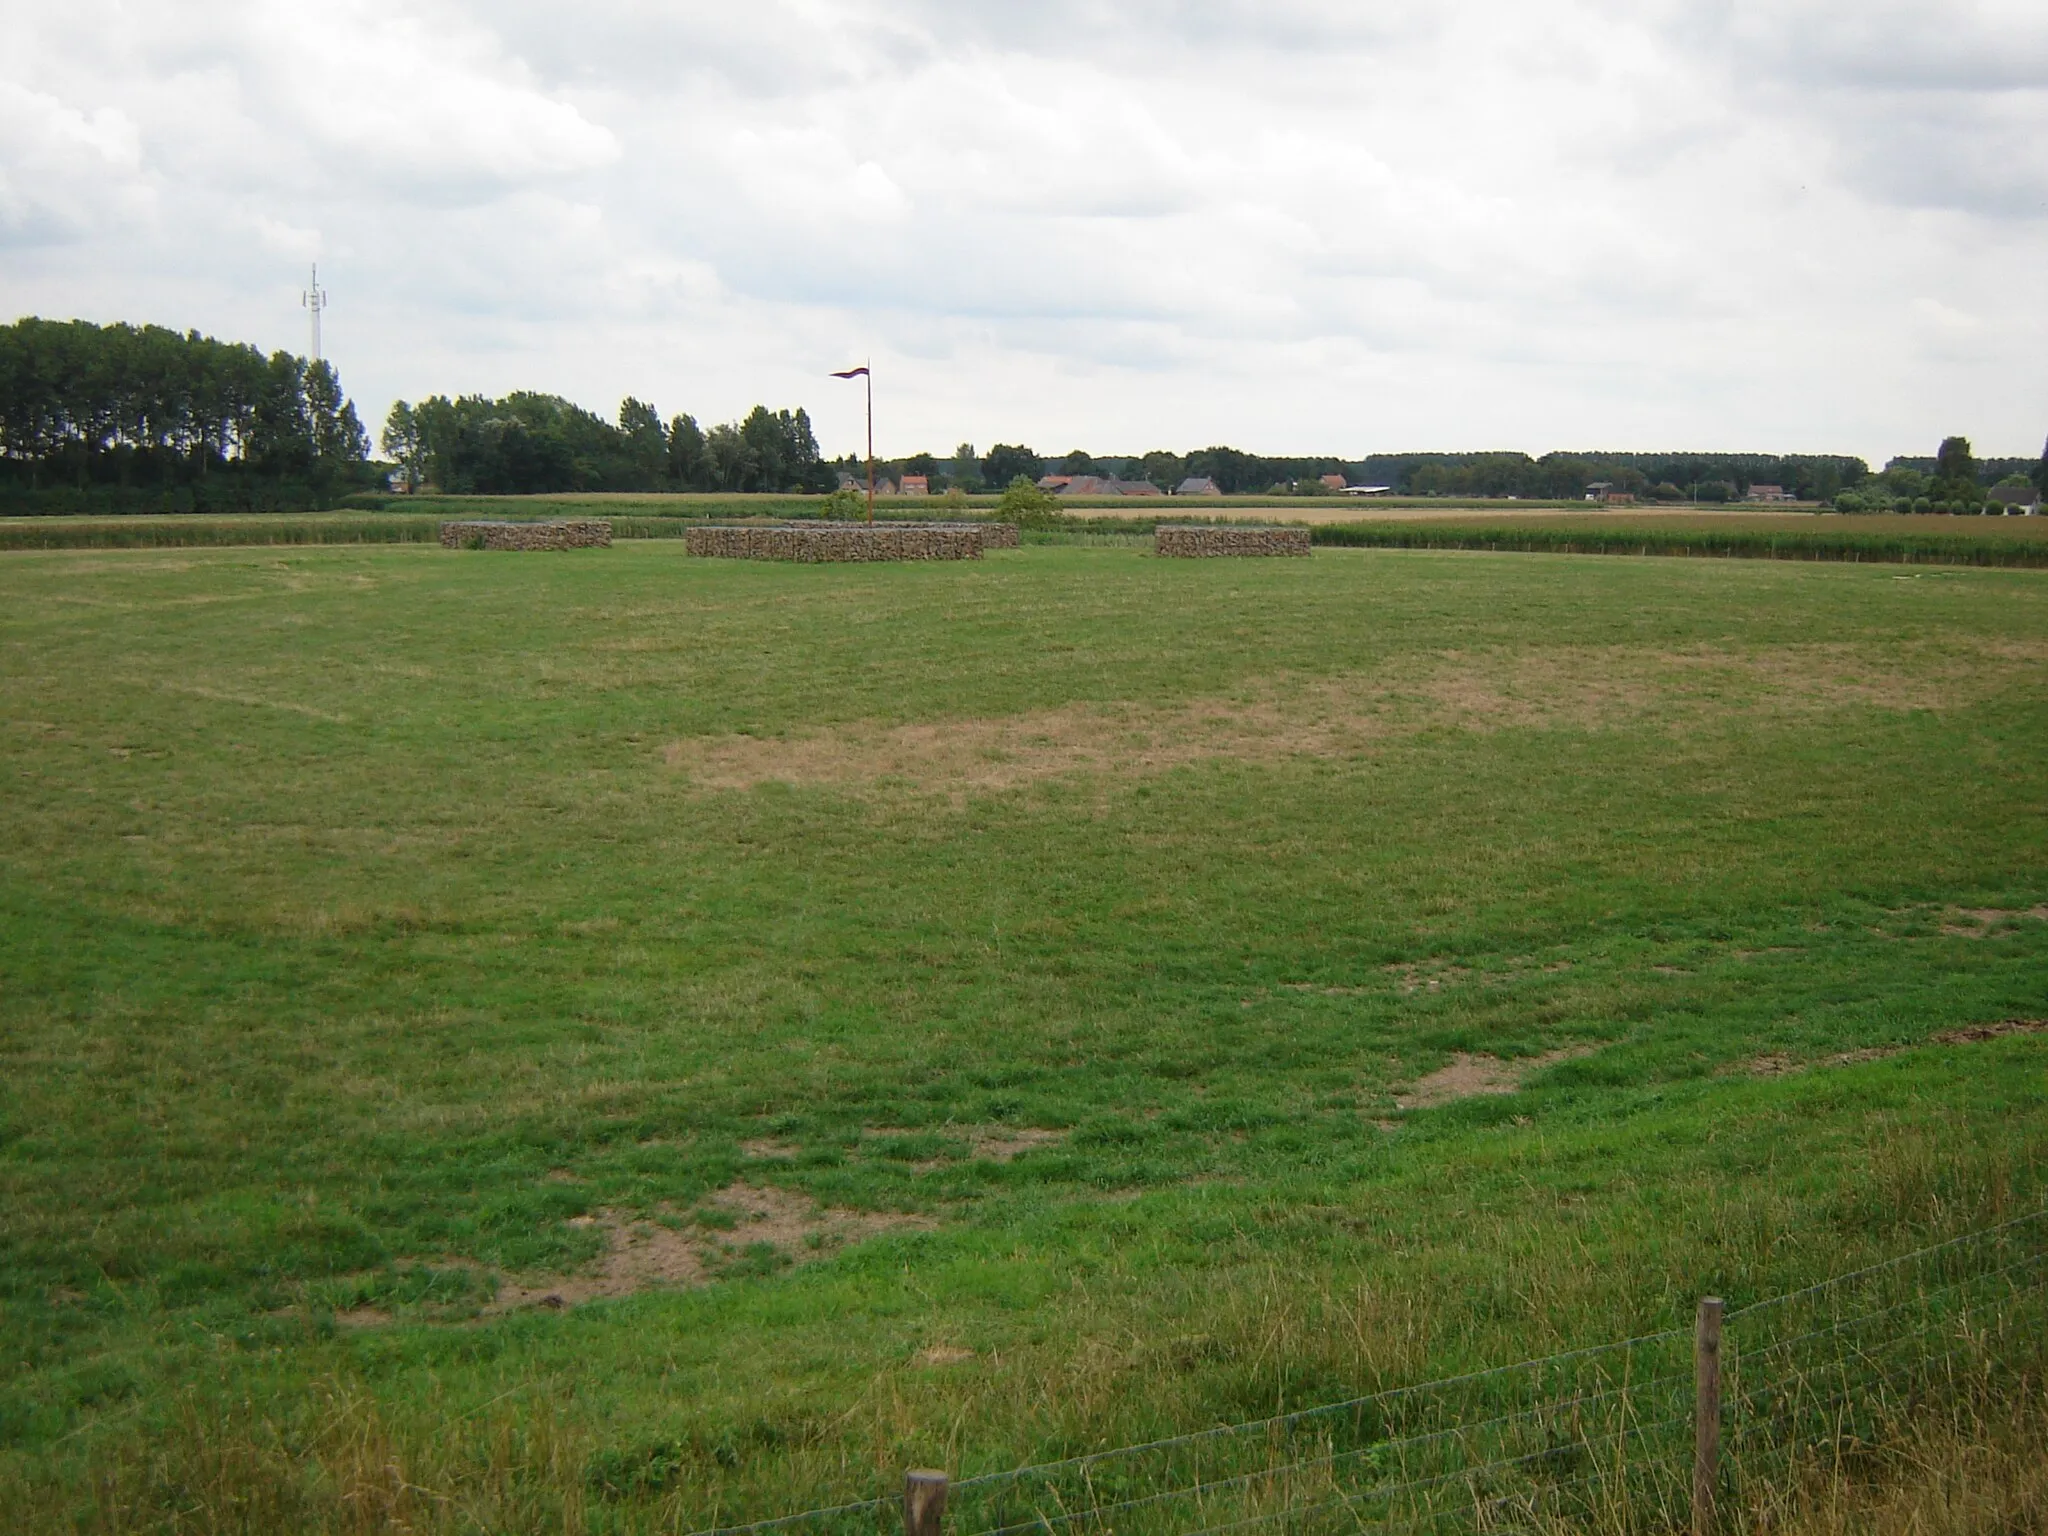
(369, 915)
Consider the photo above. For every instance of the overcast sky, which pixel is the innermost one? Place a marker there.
(1289, 225)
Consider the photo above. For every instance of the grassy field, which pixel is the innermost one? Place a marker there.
(608, 1041)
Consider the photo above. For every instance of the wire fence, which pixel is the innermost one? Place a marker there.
(1619, 1435)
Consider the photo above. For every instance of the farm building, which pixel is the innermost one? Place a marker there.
(1198, 485)
(916, 485)
(1770, 493)
(1096, 485)
(2012, 501)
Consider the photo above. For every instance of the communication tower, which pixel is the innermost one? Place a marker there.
(315, 299)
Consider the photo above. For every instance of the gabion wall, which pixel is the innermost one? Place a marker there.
(993, 535)
(573, 533)
(821, 542)
(1208, 543)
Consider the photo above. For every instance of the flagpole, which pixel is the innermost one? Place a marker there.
(867, 374)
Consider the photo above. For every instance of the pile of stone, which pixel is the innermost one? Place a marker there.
(815, 543)
(993, 535)
(1197, 543)
(570, 533)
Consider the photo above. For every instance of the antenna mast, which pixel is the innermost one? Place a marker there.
(314, 299)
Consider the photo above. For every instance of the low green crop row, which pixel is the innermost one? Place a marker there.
(1933, 549)
(194, 532)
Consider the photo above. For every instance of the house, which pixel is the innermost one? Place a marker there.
(1136, 488)
(2012, 501)
(916, 485)
(1772, 493)
(1198, 485)
(1334, 482)
(885, 487)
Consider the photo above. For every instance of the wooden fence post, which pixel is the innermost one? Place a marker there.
(1706, 1442)
(924, 1502)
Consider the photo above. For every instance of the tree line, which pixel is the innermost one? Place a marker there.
(1953, 481)
(143, 417)
(1554, 476)
(526, 443)
(1233, 471)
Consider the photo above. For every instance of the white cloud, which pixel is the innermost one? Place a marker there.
(1291, 224)
(64, 172)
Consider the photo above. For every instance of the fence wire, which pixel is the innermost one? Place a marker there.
(1602, 1435)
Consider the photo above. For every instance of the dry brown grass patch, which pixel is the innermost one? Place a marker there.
(1565, 687)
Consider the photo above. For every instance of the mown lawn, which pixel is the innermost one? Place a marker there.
(997, 990)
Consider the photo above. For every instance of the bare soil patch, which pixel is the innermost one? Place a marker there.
(991, 1143)
(1780, 1064)
(1415, 976)
(1983, 922)
(679, 1251)
(1969, 1034)
(1010, 1142)
(1587, 688)
(1474, 1076)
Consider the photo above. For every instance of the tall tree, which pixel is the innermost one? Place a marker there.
(686, 467)
(646, 444)
(1006, 461)
(405, 443)
(1165, 470)
(1955, 486)
(964, 471)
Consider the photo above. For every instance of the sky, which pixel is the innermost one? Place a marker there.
(1293, 226)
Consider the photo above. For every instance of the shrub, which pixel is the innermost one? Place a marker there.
(1027, 506)
(844, 505)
